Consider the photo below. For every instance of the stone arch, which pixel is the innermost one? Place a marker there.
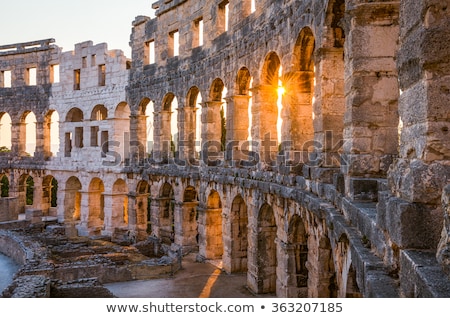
(267, 250)
(25, 192)
(329, 94)
(51, 133)
(169, 125)
(96, 200)
(5, 132)
(352, 290)
(215, 116)
(267, 99)
(297, 252)
(212, 245)
(74, 115)
(166, 213)
(145, 123)
(324, 276)
(241, 116)
(192, 124)
(186, 218)
(72, 200)
(4, 186)
(299, 97)
(143, 204)
(121, 129)
(238, 235)
(99, 112)
(74, 131)
(28, 133)
(49, 195)
(122, 111)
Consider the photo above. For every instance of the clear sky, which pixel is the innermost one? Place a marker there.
(71, 21)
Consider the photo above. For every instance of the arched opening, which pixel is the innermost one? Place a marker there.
(74, 115)
(143, 205)
(72, 200)
(146, 111)
(96, 205)
(29, 137)
(216, 114)
(240, 124)
(49, 195)
(121, 129)
(299, 96)
(52, 123)
(73, 134)
(239, 235)
(99, 113)
(169, 126)
(269, 101)
(193, 124)
(267, 250)
(329, 103)
(324, 277)
(189, 218)
(352, 290)
(297, 251)
(4, 186)
(166, 217)
(5, 133)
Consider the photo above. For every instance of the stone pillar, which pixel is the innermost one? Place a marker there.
(18, 138)
(211, 131)
(371, 91)
(414, 216)
(237, 131)
(165, 135)
(187, 134)
(37, 193)
(137, 215)
(83, 226)
(186, 225)
(112, 213)
(329, 105)
(265, 108)
(138, 137)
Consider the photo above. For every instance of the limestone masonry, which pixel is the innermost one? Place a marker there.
(304, 143)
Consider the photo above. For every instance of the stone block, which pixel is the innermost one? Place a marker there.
(412, 225)
(363, 189)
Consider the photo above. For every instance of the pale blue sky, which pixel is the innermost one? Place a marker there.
(70, 22)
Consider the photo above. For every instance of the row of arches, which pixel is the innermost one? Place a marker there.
(272, 110)
(22, 135)
(262, 239)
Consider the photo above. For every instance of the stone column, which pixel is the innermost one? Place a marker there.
(137, 215)
(265, 108)
(329, 105)
(18, 138)
(138, 137)
(186, 225)
(83, 226)
(211, 132)
(165, 135)
(237, 131)
(187, 134)
(371, 93)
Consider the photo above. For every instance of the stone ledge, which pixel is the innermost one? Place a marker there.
(421, 276)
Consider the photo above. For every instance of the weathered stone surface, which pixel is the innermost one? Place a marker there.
(158, 146)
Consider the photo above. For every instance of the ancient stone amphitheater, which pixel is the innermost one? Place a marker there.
(304, 143)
